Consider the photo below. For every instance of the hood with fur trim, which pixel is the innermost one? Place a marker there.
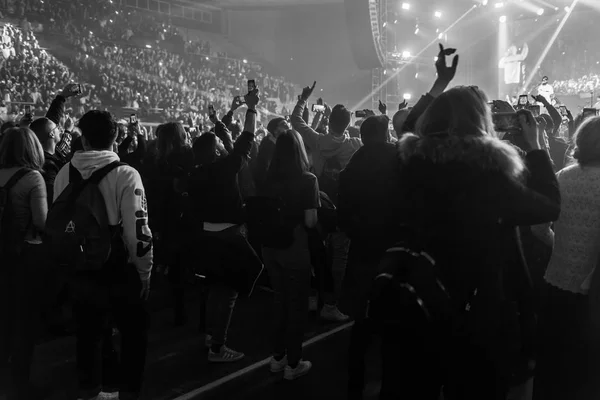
(478, 153)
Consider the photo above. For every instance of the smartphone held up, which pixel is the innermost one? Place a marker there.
(251, 85)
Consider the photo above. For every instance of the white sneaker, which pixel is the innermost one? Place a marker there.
(226, 355)
(294, 373)
(108, 396)
(313, 303)
(278, 366)
(332, 313)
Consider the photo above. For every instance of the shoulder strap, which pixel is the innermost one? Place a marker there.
(102, 172)
(74, 174)
(15, 178)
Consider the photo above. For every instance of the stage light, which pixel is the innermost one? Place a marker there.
(567, 9)
(441, 36)
(148, 46)
(405, 6)
(245, 61)
(484, 2)
(395, 21)
(437, 30)
(540, 11)
(417, 75)
(499, 5)
(438, 14)
(503, 19)
(406, 54)
(385, 71)
(407, 96)
(435, 58)
(417, 31)
(384, 24)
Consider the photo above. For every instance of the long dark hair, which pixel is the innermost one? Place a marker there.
(171, 139)
(289, 159)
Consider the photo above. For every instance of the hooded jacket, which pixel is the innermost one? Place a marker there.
(125, 200)
(324, 146)
(465, 196)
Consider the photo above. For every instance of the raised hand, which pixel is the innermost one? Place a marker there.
(71, 90)
(320, 101)
(402, 105)
(382, 107)
(444, 72)
(307, 91)
(252, 99)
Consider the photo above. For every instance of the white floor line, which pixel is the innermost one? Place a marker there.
(220, 382)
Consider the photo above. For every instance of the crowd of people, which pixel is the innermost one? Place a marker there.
(174, 79)
(466, 236)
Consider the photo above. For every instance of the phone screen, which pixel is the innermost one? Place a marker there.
(563, 110)
(211, 110)
(523, 100)
(240, 99)
(27, 109)
(251, 85)
(506, 122)
(360, 114)
(535, 110)
(132, 119)
(318, 108)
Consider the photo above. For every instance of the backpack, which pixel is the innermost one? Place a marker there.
(8, 237)
(78, 233)
(329, 181)
(408, 289)
(266, 218)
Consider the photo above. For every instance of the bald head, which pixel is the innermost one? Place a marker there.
(46, 132)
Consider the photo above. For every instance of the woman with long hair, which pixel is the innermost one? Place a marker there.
(567, 364)
(166, 181)
(23, 221)
(289, 268)
(464, 195)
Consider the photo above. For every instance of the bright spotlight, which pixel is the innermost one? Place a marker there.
(245, 61)
(499, 5)
(503, 19)
(540, 11)
(438, 14)
(441, 36)
(385, 71)
(417, 30)
(567, 9)
(148, 46)
(406, 54)
(417, 75)
(407, 96)
(484, 2)
(384, 24)
(405, 6)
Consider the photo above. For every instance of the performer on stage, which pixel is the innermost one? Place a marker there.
(546, 90)
(512, 65)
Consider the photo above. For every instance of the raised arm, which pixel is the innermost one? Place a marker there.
(309, 135)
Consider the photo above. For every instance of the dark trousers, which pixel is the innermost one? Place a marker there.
(100, 298)
(290, 273)
(22, 296)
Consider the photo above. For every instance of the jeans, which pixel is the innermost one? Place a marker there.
(338, 245)
(98, 297)
(220, 303)
(290, 273)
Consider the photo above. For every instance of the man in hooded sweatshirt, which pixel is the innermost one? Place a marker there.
(334, 148)
(126, 286)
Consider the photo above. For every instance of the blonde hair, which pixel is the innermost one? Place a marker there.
(587, 142)
(21, 148)
(461, 111)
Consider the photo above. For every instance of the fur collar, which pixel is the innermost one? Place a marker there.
(483, 153)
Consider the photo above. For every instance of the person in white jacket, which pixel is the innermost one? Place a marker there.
(126, 288)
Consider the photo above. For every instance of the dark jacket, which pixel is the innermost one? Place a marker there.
(368, 210)
(263, 160)
(465, 197)
(52, 164)
(214, 188)
(136, 157)
(558, 152)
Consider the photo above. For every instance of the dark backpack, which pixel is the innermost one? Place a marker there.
(266, 218)
(8, 232)
(330, 177)
(78, 233)
(409, 290)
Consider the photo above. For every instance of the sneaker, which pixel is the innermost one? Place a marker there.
(278, 366)
(108, 396)
(226, 355)
(332, 313)
(294, 373)
(208, 341)
(313, 303)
